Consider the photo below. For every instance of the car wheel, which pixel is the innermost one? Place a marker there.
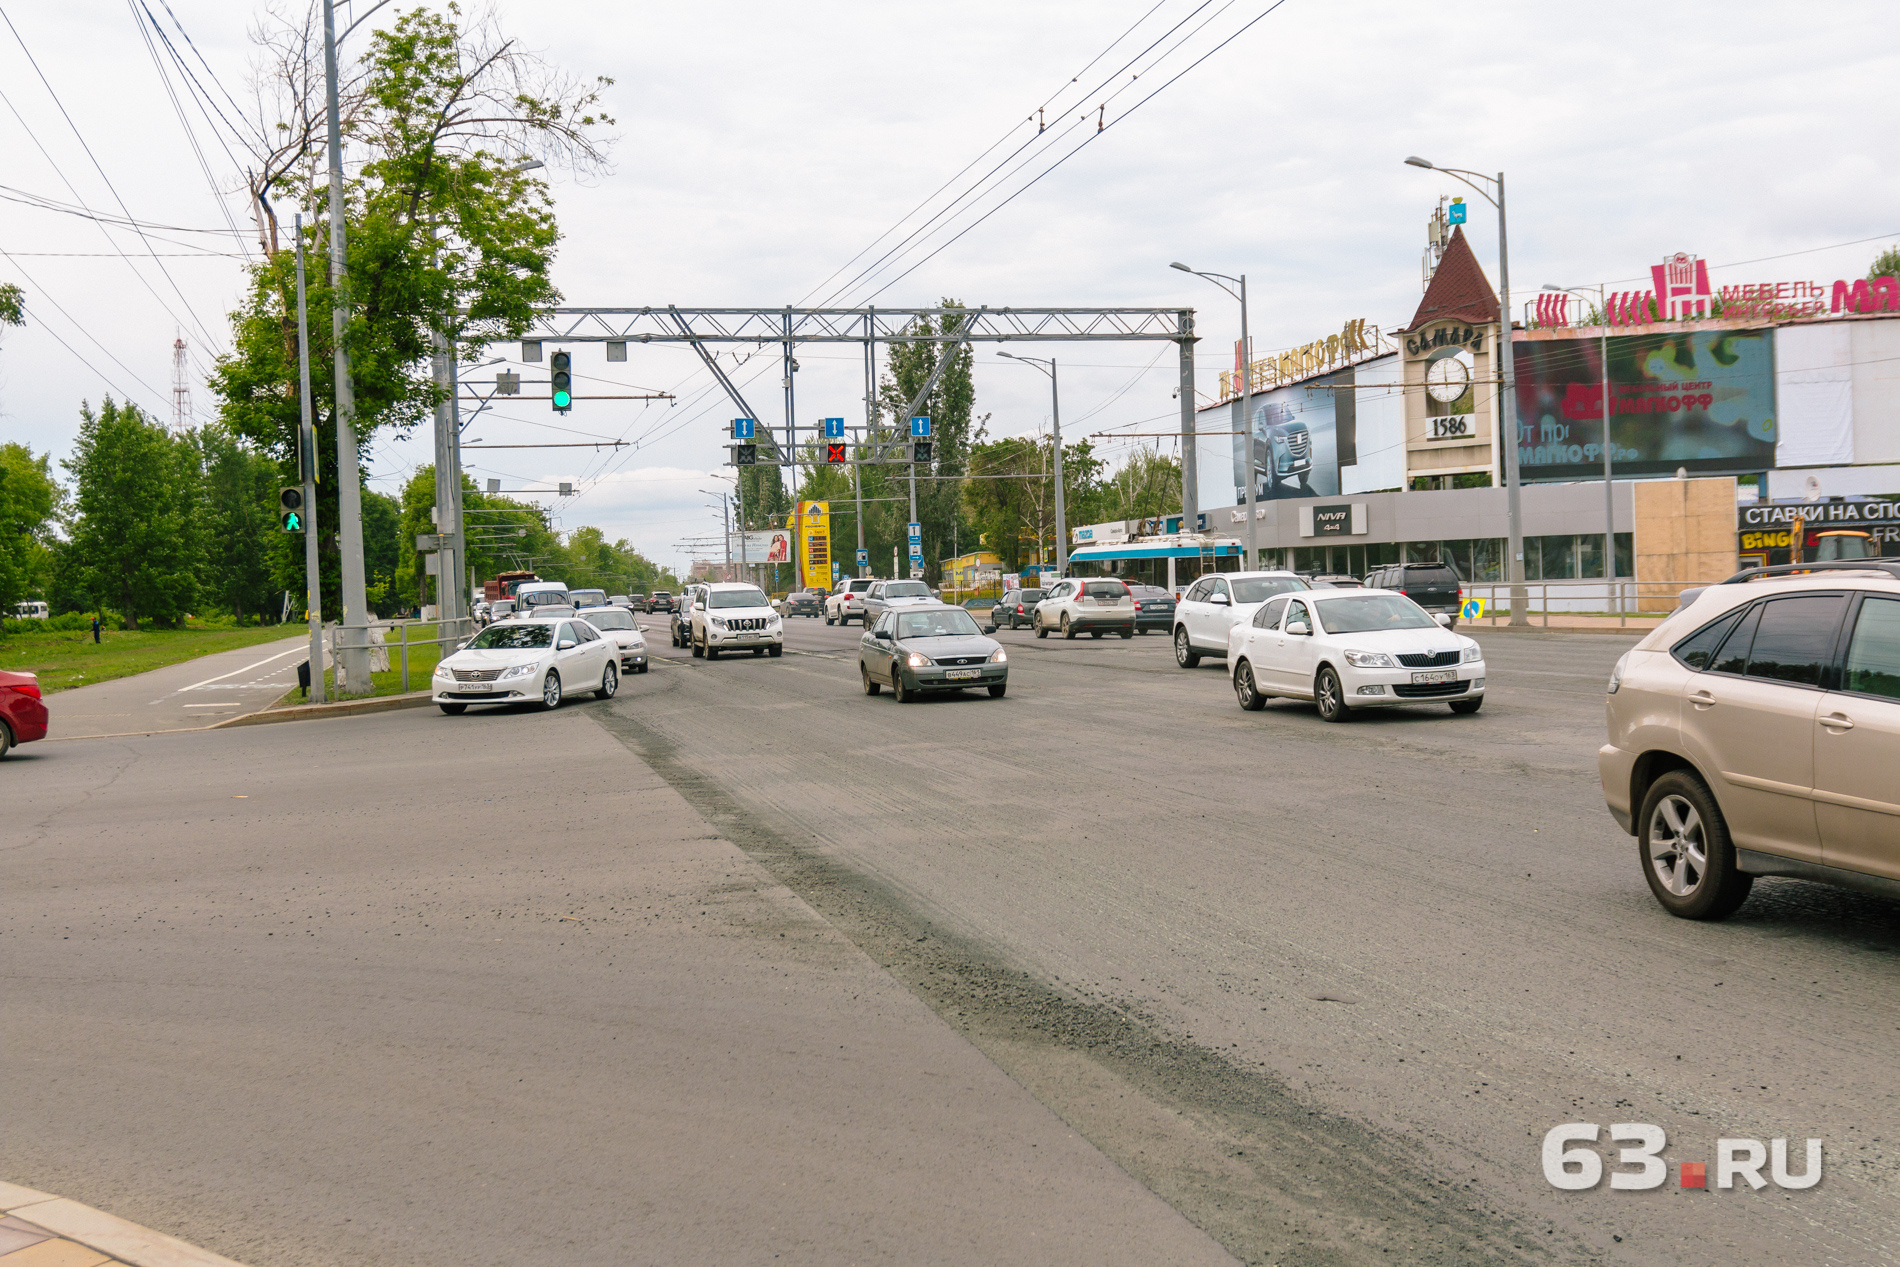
(712, 652)
(6, 736)
(1036, 624)
(1184, 653)
(1066, 631)
(609, 682)
(899, 691)
(551, 690)
(453, 710)
(1330, 696)
(999, 690)
(698, 651)
(1245, 691)
(1687, 858)
(831, 620)
(1096, 633)
(871, 686)
(1467, 706)
(640, 668)
(1128, 633)
(776, 650)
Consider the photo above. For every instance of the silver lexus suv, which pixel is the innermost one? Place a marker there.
(1757, 732)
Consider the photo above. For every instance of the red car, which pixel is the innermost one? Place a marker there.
(22, 715)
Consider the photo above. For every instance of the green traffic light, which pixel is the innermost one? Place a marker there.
(562, 400)
(293, 522)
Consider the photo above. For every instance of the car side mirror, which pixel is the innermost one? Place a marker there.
(1444, 621)
(565, 644)
(1218, 598)
(1299, 629)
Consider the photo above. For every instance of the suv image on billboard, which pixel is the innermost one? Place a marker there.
(1282, 452)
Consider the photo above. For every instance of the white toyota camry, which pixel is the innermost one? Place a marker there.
(1351, 649)
(525, 659)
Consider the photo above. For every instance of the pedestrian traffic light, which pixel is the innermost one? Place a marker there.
(290, 509)
(920, 451)
(562, 380)
(835, 454)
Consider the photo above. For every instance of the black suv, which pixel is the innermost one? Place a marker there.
(1433, 586)
(659, 601)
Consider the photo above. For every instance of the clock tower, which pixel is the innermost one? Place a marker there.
(1450, 374)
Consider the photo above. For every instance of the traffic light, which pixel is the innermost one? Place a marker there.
(835, 454)
(745, 455)
(920, 451)
(562, 380)
(290, 509)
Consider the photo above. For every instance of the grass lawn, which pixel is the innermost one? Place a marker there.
(67, 659)
(422, 662)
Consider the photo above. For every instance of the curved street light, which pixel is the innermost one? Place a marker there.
(1055, 417)
(1246, 403)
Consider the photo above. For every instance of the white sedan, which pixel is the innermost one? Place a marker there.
(616, 625)
(1350, 649)
(526, 659)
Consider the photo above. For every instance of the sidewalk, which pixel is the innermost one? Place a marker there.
(190, 695)
(1566, 621)
(38, 1229)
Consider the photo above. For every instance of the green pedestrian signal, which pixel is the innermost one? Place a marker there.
(563, 381)
(290, 509)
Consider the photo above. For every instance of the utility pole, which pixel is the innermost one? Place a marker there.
(1055, 419)
(1507, 420)
(307, 461)
(448, 498)
(353, 649)
(1190, 456)
(861, 558)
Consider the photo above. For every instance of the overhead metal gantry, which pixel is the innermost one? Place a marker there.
(870, 326)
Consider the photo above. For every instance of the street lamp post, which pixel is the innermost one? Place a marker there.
(1507, 392)
(1246, 404)
(725, 520)
(1055, 418)
(1603, 368)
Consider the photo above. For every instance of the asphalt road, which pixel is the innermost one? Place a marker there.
(1320, 989)
(1340, 978)
(189, 695)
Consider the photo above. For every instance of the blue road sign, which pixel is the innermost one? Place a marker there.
(834, 428)
(920, 428)
(916, 533)
(743, 428)
(1455, 214)
(864, 558)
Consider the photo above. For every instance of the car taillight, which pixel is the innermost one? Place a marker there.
(31, 689)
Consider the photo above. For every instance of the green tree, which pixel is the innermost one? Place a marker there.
(135, 496)
(1146, 485)
(949, 407)
(239, 517)
(446, 232)
(29, 499)
(1886, 264)
(12, 305)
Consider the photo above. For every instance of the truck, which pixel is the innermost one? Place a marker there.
(503, 586)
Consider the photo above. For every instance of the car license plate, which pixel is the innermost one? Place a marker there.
(745, 634)
(477, 686)
(1426, 679)
(962, 675)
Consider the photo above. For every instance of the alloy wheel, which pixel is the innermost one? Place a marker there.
(1677, 849)
(551, 690)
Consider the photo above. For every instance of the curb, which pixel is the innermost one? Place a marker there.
(1630, 631)
(71, 1225)
(316, 712)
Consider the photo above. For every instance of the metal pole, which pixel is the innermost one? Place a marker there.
(1609, 494)
(1246, 428)
(458, 546)
(725, 517)
(1190, 468)
(1062, 526)
(353, 654)
(446, 500)
(307, 459)
(1507, 427)
(870, 431)
(791, 429)
(913, 511)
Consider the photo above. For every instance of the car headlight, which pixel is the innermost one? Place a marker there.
(1001, 657)
(519, 670)
(1369, 660)
(918, 661)
(1474, 653)
(1616, 674)
(717, 622)
(443, 670)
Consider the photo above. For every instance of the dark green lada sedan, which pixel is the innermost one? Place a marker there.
(915, 650)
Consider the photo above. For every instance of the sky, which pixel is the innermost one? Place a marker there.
(759, 148)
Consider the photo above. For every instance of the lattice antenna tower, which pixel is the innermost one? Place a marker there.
(181, 387)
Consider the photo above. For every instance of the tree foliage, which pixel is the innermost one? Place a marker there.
(1886, 264)
(29, 499)
(135, 539)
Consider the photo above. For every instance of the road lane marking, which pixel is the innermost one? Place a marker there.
(304, 650)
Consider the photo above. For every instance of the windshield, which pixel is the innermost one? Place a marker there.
(1373, 613)
(609, 618)
(950, 622)
(907, 589)
(1261, 588)
(587, 598)
(1025, 596)
(515, 637)
(545, 598)
(737, 598)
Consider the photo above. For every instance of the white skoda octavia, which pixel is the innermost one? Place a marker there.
(525, 659)
(1351, 649)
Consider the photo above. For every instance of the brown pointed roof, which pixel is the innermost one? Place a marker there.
(1459, 290)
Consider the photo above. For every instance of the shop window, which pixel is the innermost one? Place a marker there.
(1309, 559)
(1625, 554)
(1559, 557)
(1421, 552)
(1590, 557)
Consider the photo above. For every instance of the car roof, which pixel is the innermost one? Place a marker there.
(728, 585)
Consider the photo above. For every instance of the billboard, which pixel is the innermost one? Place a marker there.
(771, 546)
(1701, 400)
(1296, 441)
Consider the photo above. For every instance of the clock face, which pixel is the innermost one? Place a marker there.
(1447, 379)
